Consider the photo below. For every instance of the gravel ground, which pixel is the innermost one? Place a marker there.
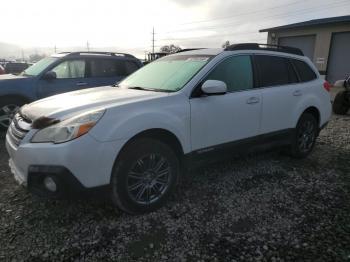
(266, 207)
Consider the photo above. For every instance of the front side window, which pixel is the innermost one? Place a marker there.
(70, 69)
(168, 74)
(274, 70)
(236, 72)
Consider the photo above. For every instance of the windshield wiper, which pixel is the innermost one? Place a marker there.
(150, 89)
(140, 88)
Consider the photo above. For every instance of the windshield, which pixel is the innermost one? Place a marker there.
(38, 67)
(168, 74)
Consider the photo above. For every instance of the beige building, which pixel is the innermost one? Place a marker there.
(325, 41)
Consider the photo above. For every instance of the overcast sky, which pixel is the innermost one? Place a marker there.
(126, 25)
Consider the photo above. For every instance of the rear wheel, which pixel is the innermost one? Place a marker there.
(340, 105)
(8, 108)
(144, 176)
(305, 136)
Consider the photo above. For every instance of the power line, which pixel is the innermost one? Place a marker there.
(300, 11)
(245, 13)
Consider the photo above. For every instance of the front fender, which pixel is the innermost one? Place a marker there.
(22, 87)
(126, 122)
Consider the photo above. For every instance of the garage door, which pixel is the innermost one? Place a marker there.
(305, 43)
(339, 57)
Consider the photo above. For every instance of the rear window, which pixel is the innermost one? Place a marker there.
(305, 72)
(274, 70)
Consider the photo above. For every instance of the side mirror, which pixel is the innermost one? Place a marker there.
(50, 75)
(214, 87)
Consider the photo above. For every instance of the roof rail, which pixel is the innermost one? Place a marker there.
(188, 49)
(97, 53)
(256, 46)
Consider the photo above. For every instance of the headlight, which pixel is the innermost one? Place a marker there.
(68, 129)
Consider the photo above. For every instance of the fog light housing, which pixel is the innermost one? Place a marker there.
(50, 184)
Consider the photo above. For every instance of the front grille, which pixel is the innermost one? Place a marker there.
(18, 129)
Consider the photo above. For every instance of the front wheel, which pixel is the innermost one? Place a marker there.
(305, 135)
(144, 176)
(8, 108)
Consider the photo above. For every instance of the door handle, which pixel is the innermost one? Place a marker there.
(253, 100)
(81, 84)
(297, 93)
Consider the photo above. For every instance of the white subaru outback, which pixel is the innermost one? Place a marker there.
(137, 137)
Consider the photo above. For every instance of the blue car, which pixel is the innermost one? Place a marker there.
(62, 73)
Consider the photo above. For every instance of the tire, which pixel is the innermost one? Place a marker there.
(304, 137)
(138, 174)
(340, 105)
(8, 108)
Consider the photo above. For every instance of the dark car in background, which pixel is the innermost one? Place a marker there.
(62, 73)
(2, 70)
(16, 67)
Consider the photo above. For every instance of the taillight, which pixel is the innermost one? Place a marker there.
(327, 86)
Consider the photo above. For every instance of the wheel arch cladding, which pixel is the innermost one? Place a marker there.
(313, 111)
(160, 134)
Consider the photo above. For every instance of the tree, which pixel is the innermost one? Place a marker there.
(170, 48)
(226, 44)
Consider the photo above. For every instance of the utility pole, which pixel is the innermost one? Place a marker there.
(153, 40)
(55, 49)
(88, 46)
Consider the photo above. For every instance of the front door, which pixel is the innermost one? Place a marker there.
(71, 76)
(221, 119)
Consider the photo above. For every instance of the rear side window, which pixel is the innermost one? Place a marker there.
(111, 68)
(305, 72)
(131, 67)
(236, 72)
(274, 70)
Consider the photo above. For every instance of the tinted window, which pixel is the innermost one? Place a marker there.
(131, 67)
(70, 69)
(111, 68)
(236, 72)
(103, 68)
(274, 70)
(304, 71)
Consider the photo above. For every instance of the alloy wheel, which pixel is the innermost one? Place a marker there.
(148, 179)
(306, 136)
(7, 112)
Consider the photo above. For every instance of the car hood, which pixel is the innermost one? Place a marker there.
(65, 105)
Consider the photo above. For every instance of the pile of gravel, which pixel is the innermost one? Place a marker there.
(266, 207)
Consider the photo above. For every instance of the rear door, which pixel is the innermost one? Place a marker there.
(108, 71)
(71, 76)
(281, 92)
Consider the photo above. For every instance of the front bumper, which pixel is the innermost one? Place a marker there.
(82, 163)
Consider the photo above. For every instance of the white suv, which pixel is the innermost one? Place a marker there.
(137, 138)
